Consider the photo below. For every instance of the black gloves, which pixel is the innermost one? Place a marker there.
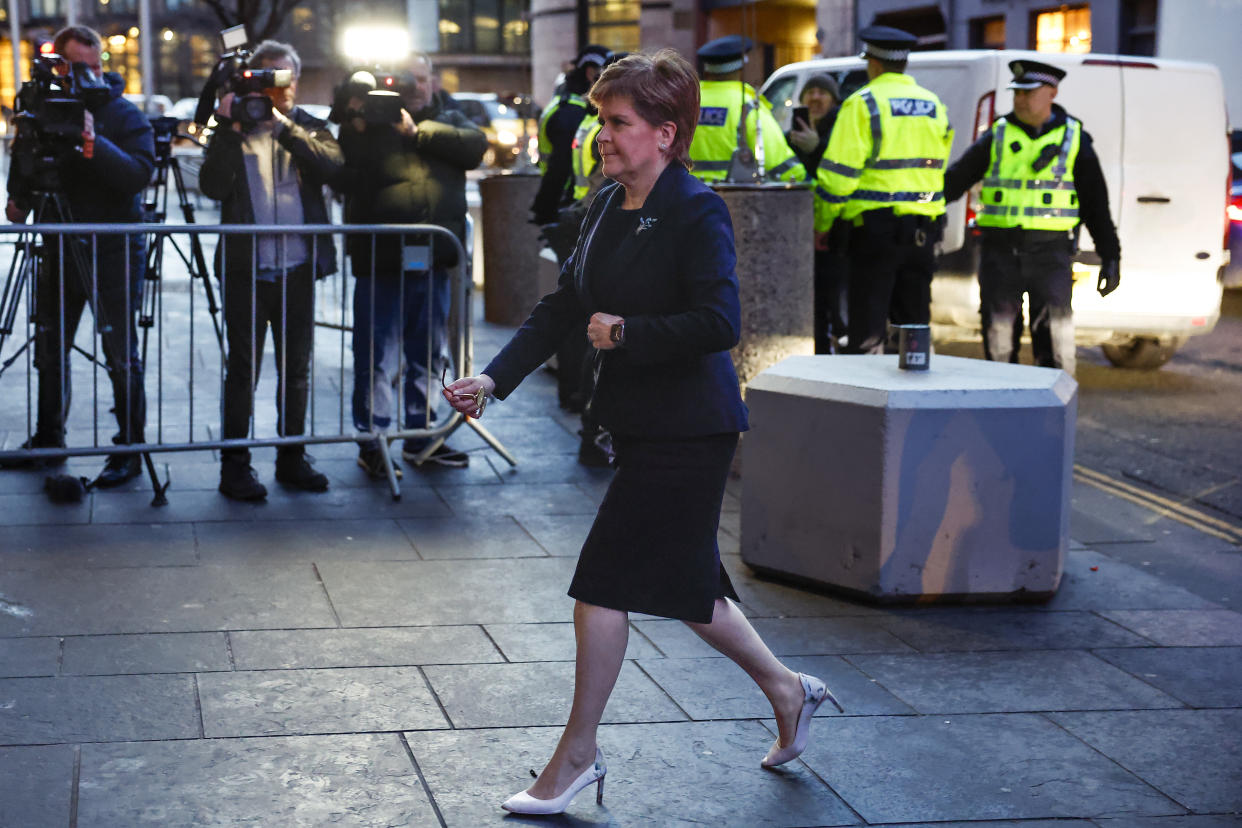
(1110, 276)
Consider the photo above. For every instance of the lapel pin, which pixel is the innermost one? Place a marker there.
(644, 224)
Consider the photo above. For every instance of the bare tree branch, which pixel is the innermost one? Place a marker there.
(263, 18)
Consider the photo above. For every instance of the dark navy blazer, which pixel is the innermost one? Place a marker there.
(678, 294)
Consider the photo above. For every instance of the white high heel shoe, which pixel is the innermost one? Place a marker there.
(815, 692)
(524, 803)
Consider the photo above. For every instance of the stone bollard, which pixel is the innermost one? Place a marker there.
(511, 285)
(773, 228)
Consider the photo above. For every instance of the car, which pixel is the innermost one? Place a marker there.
(510, 136)
(1232, 276)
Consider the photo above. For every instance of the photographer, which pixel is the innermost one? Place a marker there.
(268, 164)
(99, 178)
(403, 166)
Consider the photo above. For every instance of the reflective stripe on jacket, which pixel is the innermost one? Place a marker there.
(888, 149)
(583, 157)
(545, 143)
(1016, 194)
(718, 134)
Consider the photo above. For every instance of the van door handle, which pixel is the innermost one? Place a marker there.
(1154, 200)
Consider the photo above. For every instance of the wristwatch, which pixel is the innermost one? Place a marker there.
(617, 334)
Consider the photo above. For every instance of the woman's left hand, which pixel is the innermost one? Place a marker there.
(599, 330)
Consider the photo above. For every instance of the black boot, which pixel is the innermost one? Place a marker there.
(120, 469)
(293, 469)
(239, 482)
(37, 441)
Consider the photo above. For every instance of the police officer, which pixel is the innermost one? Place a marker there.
(883, 173)
(721, 149)
(1041, 179)
(557, 127)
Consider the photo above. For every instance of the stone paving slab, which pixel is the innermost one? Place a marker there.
(554, 642)
(173, 599)
(424, 593)
(37, 711)
(447, 538)
(533, 435)
(301, 702)
(945, 629)
(785, 637)
(303, 540)
(67, 546)
(561, 535)
(765, 598)
(1192, 756)
(716, 688)
(1009, 682)
(36, 510)
(29, 657)
(93, 655)
(37, 785)
(533, 499)
(942, 768)
(353, 779)
(1183, 628)
(369, 647)
(677, 774)
(1190, 821)
(518, 695)
(534, 466)
(1113, 585)
(1198, 676)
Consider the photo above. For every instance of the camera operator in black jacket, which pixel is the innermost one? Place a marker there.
(272, 171)
(101, 183)
(406, 168)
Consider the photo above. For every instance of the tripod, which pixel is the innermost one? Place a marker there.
(155, 211)
(34, 257)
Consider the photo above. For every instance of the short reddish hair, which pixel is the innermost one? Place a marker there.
(661, 87)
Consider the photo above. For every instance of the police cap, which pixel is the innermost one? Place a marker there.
(1030, 74)
(886, 43)
(724, 54)
(592, 55)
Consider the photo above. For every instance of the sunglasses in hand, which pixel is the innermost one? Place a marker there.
(479, 397)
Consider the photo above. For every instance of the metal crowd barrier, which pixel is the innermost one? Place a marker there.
(177, 331)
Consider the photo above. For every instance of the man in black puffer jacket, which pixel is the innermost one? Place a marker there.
(412, 171)
(271, 172)
(103, 183)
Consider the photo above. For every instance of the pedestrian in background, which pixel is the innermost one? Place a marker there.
(1041, 180)
(883, 174)
(821, 97)
(652, 285)
(270, 172)
(557, 127)
(410, 171)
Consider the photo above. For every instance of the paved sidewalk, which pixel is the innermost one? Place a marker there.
(346, 659)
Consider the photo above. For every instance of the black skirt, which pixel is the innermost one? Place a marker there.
(652, 548)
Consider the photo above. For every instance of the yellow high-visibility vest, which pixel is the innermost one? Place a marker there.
(888, 150)
(545, 143)
(723, 107)
(1015, 194)
(583, 158)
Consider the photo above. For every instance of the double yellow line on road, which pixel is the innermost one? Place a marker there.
(1162, 506)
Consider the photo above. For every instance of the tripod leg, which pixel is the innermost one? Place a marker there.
(160, 498)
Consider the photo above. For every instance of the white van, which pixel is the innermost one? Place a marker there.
(1160, 130)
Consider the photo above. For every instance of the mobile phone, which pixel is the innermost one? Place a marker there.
(800, 112)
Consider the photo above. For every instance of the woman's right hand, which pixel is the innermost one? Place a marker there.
(463, 394)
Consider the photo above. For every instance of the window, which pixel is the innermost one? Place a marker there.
(117, 7)
(614, 23)
(47, 8)
(488, 27)
(1138, 27)
(1064, 30)
(988, 32)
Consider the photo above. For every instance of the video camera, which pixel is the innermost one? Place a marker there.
(380, 93)
(51, 112)
(232, 74)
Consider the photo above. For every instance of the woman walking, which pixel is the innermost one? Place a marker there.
(652, 282)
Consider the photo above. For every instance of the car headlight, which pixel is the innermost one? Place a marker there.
(506, 138)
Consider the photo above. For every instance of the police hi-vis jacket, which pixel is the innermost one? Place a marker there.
(585, 158)
(722, 105)
(888, 150)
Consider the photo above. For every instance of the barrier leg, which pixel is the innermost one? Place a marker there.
(388, 468)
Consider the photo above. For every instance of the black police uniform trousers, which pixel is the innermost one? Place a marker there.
(1038, 263)
(251, 306)
(832, 268)
(891, 261)
(106, 272)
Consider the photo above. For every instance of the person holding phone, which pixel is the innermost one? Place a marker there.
(812, 122)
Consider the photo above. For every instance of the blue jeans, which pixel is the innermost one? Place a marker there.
(395, 315)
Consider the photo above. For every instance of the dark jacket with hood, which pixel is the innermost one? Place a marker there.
(389, 178)
(316, 159)
(108, 186)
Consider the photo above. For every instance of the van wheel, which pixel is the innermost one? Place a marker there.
(1141, 353)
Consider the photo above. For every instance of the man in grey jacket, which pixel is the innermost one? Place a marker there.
(272, 171)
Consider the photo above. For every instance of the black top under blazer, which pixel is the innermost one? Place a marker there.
(677, 290)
